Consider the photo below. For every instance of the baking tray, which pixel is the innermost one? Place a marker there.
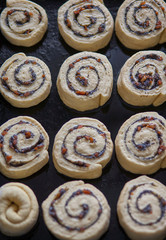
(52, 114)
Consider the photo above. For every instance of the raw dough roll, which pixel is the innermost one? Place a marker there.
(142, 80)
(23, 23)
(24, 81)
(141, 143)
(141, 209)
(85, 24)
(82, 147)
(19, 209)
(141, 24)
(76, 211)
(23, 147)
(85, 81)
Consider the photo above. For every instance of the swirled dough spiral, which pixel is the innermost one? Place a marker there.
(24, 81)
(141, 209)
(141, 24)
(76, 211)
(141, 143)
(82, 147)
(85, 81)
(142, 80)
(85, 25)
(23, 23)
(19, 209)
(23, 147)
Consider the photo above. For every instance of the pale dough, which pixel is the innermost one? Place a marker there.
(85, 25)
(141, 24)
(76, 211)
(25, 81)
(19, 209)
(23, 23)
(141, 143)
(141, 209)
(23, 147)
(142, 79)
(85, 81)
(82, 147)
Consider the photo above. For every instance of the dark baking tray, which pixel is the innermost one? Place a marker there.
(52, 114)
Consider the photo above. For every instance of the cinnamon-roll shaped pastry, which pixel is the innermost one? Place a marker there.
(82, 147)
(76, 210)
(141, 209)
(23, 147)
(25, 81)
(85, 25)
(141, 143)
(142, 79)
(85, 81)
(23, 23)
(141, 24)
(19, 209)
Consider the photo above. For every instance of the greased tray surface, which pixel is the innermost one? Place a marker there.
(52, 114)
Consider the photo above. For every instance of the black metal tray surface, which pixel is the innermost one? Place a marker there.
(52, 114)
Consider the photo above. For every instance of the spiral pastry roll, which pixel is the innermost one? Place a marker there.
(142, 79)
(23, 147)
(85, 81)
(19, 209)
(141, 143)
(24, 81)
(82, 147)
(23, 23)
(76, 210)
(85, 25)
(141, 24)
(141, 209)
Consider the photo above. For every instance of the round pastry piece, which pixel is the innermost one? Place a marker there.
(82, 147)
(141, 209)
(142, 80)
(141, 24)
(23, 23)
(19, 209)
(141, 143)
(85, 81)
(76, 210)
(23, 147)
(85, 24)
(24, 81)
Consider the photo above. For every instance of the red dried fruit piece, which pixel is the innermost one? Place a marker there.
(64, 150)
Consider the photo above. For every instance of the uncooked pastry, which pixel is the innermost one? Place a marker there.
(141, 143)
(19, 209)
(24, 81)
(23, 147)
(82, 147)
(141, 24)
(23, 23)
(141, 209)
(142, 79)
(85, 81)
(76, 211)
(85, 25)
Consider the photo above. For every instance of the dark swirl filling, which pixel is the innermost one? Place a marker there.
(88, 138)
(148, 208)
(92, 20)
(13, 144)
(81, 215)
(81, 79)
(23, 21)
(19, 82)
(145, 25)
(144, 124)
(148, 80)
